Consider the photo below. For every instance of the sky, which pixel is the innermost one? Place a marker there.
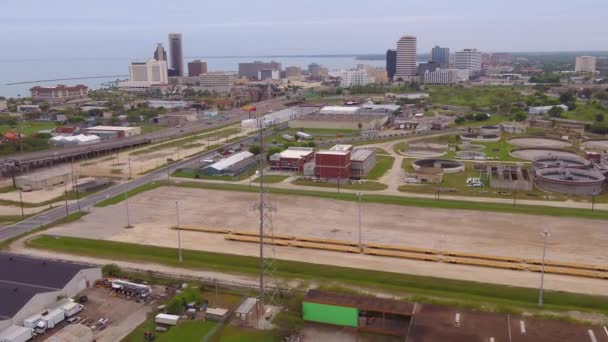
(131, 28)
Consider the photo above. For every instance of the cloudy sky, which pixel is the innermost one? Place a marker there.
(131, 28)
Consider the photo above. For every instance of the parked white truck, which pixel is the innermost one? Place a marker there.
(31, 321)
(71, 308)
(15, 333)
(50, 320)
(166, 319)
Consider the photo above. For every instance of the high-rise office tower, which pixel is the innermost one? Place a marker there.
(441, 56)
(468, 59)
(176, 52)
(160, 54)
(406, 57)
(391, 63)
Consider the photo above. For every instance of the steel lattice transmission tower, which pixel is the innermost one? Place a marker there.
(268, 286)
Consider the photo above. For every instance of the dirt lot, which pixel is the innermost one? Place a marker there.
(596, 144)
(153, 212)
(436, 323)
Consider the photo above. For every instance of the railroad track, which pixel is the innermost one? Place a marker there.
(413, 253)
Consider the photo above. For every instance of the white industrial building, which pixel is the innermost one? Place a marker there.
(167, 104)
(29, 285)
(233, 165)
(223, 80)
(146, 74)
(74, 140)
(278, 117)
(340, 110)
(111, 132)
(360, 77)
(468, 59)
(545, 109)
(445, 76)
(585, 64)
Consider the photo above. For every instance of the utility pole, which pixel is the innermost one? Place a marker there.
(261, 207)
(65, 195)
(545, 236)
(179, 232)
(21, 201)
(129, 167)
(514, 196)
(127, 209)
(360, 195)
(75, 184)
(593, 202)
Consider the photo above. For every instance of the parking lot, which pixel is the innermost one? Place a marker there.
(123, 314)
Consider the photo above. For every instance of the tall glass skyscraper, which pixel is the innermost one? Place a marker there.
(441, 56)
(176, 53)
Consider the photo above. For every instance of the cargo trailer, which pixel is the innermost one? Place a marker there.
(15, 333)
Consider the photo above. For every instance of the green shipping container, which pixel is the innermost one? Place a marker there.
(330, 314)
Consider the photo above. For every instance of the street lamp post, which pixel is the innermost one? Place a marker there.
(545, 236)
(179, 232)
(127, 210)
(65, 191)
(21, 202)
(360, 195)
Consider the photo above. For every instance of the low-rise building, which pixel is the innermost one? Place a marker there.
(28, 108)
(292, 159)
(30, 285)
(334, 163)
(362, 162)
(47, 178)
(167, 104)
(59, 93)
(236, 164)
(445, 76)
(545, 109)
(74, 140)
(341, 117)
(110, 132)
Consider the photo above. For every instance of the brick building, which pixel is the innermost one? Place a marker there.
(58, 93)
(292, 159)
(334, 163)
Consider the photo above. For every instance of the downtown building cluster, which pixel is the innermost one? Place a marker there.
(443, 68)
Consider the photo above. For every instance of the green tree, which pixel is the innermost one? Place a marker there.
(519, 115)
(555, 112)
(111, 270)
(599, 117)
(44, 106)
(460, 120)
(255, 149)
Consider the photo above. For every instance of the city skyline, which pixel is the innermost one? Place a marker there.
(229, 30)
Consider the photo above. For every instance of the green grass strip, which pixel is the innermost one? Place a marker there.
(473, 293)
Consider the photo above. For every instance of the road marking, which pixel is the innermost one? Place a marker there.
(457, 319)
(606, 330)
(522, 327)
(592, 335)
(491, 339)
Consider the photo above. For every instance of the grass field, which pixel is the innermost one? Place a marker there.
(28, 128)
(149, 128)
(66, 219)
(189, 173)
(473, 294)
(186, 331)
(474, 96)
(383, 164)
(365, 185)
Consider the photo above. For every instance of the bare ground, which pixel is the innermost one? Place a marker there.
(154, 212)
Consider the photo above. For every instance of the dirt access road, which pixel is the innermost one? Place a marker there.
(153, 212)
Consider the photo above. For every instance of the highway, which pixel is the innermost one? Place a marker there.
(52, 215)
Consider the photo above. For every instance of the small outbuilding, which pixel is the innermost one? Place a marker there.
(362, 162)
(236, 164)
(248, 311)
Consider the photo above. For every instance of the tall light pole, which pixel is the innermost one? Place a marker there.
(129, 167)
(360, 195)
(127, 210)
(545, 236)
(179, 232)
(21, 202)
(75, 184)
(65, 192)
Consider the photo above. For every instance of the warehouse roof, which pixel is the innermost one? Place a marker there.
(339, 110)
(110, 128)
(364, 303)
(233, 159)
(296, 152)
(22, 277)
(361, 154)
